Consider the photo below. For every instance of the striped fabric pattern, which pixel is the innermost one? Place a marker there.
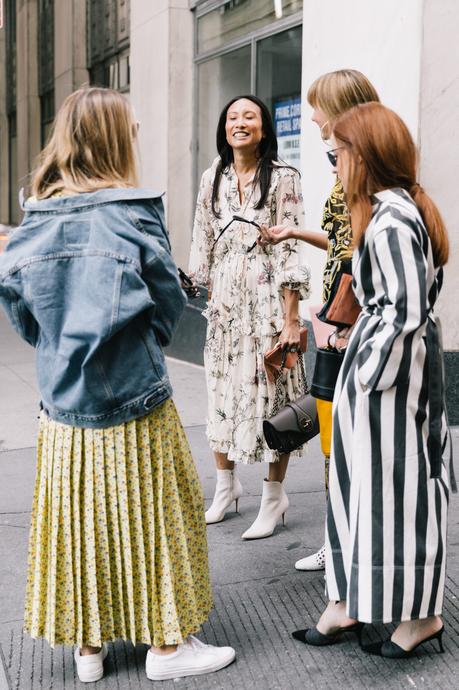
(387, 509)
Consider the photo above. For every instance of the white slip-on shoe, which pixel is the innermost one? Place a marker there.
(315, 561)
(192, 658)
(91, 666)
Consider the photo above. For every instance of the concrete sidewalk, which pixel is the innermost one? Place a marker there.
(259, 596)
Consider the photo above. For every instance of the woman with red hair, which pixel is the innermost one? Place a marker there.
(389, 485)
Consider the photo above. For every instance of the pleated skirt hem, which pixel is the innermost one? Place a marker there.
(167, 639)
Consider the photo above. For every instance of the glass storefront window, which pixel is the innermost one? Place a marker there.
(46, 66)
(219, 80)
(235, 18)
(278, 84)
(265, 59)
(108, 43)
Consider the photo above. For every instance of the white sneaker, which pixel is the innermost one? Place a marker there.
(91, 666)
(315, 561)
(192, 658)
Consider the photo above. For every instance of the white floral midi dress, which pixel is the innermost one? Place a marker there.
(245, 312)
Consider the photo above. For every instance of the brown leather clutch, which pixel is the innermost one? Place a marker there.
(273, 357)
(342, 309)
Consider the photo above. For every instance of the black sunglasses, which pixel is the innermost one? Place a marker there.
(240, 219)
(332, 157)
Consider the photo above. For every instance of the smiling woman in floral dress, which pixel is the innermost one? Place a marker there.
(253, 299)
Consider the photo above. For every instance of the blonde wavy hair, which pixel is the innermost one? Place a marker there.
(91, 146)
(336, 92)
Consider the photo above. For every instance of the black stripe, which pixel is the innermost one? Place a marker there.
(439, 556)
(339, 458)
(377, 508)
(422, 505)
(354, 577)
(338, 563)
(399, 454)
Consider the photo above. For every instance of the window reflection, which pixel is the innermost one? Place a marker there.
(236, 18)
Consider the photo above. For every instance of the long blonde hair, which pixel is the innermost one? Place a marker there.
(91, 145)
(336, 92)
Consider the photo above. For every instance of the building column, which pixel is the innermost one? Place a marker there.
(3, 134)
(70, 53)
(162, 96)
(28, 102)
(439, 162)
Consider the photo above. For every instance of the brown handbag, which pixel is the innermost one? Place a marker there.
(273, 357)
(342, 309)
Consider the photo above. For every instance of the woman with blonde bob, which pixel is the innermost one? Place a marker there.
(118, 538)
(329, 95)
(389, 485)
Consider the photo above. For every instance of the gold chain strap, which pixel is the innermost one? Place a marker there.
(279, 386)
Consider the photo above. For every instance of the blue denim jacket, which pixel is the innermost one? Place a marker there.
(89, 281)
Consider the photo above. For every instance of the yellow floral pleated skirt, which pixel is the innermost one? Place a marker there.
(118, 543)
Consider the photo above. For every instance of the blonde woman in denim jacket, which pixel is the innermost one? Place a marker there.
(117, 542)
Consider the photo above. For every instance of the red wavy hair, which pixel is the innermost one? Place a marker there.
(382, 155)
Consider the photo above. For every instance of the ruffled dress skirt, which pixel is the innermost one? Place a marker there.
(118, 538)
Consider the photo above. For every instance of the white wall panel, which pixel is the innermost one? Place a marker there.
(381, 39)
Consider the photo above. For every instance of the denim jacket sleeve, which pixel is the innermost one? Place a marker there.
(19, 315)
(159, 270)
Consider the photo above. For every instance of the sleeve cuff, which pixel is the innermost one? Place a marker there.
(297, 278)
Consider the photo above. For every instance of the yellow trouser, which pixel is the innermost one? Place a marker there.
(324, 411)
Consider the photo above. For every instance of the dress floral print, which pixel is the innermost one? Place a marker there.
(245, 311)
(117, 544)
(336, 223)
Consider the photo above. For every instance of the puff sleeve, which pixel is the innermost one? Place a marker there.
(290, 270)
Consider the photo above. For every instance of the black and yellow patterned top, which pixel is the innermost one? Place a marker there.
(336, 224)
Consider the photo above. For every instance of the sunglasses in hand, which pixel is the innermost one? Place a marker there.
(187, 284)
(239, 219)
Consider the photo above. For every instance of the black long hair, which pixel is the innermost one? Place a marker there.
(267, 152)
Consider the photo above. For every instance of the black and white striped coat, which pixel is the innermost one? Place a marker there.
(386, 522)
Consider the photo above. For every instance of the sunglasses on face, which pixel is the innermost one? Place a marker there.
(331, 155)
(239, 219)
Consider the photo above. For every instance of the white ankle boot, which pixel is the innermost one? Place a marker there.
(274, 504)
(228, 489)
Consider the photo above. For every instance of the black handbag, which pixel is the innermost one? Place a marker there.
(326, 370)
(295, 423)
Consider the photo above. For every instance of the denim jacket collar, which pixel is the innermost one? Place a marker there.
(102, 196)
